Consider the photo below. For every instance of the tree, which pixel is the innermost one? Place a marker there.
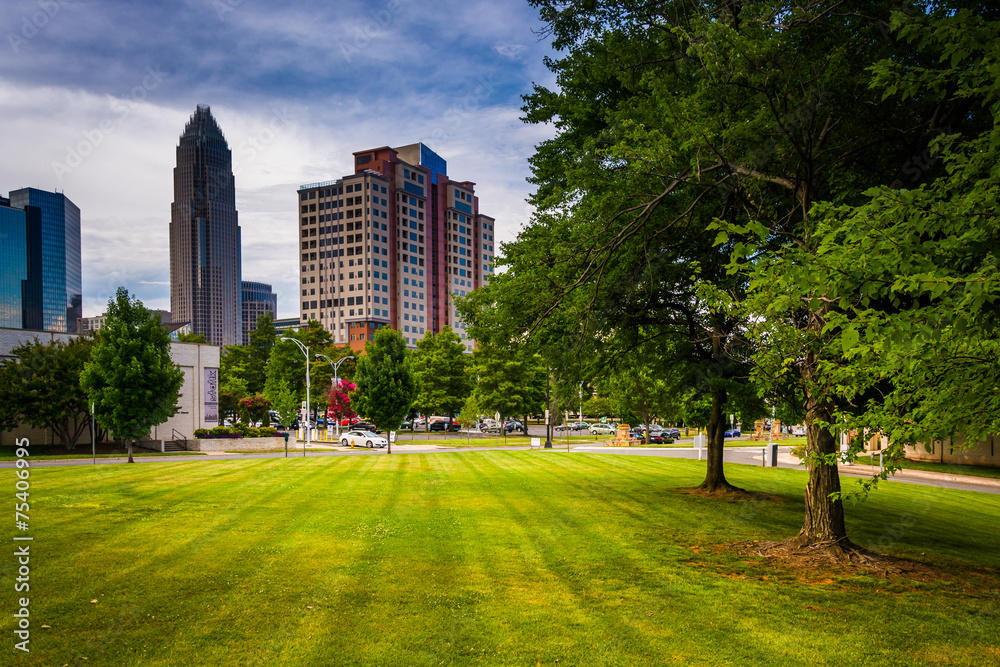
(903, 321)
(130, 376)
(262, 340)
(385, 387)
(254, 409)
(510, 385)
(286, 404)
(440, 368)
(340, 400)
(42, 387)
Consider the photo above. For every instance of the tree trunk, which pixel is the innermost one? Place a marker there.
(130, 459)
(715, 476)
(824, 520)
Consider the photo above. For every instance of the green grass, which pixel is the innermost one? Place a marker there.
(492, 557)
(946, 468)
(54, 452)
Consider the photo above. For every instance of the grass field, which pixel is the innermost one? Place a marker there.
(457, 558)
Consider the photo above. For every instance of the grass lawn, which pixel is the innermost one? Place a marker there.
(946, 468)
(493, 557)
(51, 452)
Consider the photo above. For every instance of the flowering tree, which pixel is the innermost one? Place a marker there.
(254, 408)
(340, 400)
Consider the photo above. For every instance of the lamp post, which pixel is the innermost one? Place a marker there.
(336, 366)
(305, 351)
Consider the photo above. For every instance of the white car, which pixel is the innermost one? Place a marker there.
(362, 438)
(602, 429)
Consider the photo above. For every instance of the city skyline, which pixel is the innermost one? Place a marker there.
(297, 89)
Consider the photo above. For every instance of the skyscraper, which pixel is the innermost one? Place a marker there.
(391, 245)
(51, 287)
(257, 300)
(205, 244)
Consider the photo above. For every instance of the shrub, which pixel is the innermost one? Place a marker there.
(201, 433)
(251, 432)
(267, 431)
(224, 432)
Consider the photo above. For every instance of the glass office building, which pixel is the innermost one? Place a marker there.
(258, 299)
(205, 244)
(52, 288)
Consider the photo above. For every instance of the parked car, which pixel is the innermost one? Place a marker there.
(732, 433)
(603, 429)
(660, 438)
(563, 427)
(581, 426)
(443, 426)
(672, 432)
(406, 425)
(513, 425)
(362, 438)
(490, 426)
(799, 431)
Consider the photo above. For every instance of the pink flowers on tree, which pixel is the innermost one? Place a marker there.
(340, 401)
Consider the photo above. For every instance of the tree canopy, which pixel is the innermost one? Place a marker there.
(384, 384)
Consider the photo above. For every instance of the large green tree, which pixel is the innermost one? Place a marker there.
(902, 289)
(440, 367)
(41, 386)
(384, 384)
(677, 119)
(130, 376)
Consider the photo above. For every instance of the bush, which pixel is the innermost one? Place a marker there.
(201, 433)
(267, 431)
(224, 432)
(251, 432)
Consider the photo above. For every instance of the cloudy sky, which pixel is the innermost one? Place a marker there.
(94, 96)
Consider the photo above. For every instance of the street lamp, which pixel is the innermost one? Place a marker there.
(305, 351)
(336, 366)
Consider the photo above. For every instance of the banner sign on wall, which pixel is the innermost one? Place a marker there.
(212, 394)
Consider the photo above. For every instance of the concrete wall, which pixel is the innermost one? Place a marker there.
(193, 359)
(237, 444)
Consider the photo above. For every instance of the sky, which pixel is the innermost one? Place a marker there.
(95, 95)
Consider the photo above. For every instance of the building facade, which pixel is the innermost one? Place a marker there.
(45, 260)
(391, 245)
(257, 299)
(205, 242)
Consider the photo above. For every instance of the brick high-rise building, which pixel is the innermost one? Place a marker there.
(390, 245)
(205, 243)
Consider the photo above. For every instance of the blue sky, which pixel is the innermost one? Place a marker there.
(94, 95)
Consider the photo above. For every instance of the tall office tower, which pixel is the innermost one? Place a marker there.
(205, 244)
(52, 291)
(257, 300)
(391, 245)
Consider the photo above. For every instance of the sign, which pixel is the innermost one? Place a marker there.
(536, 442)
(211, 391)
(604, 420)
(546, 416)
(392, 436)
(497, 416)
